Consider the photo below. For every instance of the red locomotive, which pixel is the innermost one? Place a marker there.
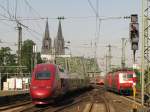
(120, 81)
(49, 80)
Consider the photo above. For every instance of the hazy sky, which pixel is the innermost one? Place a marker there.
(79, 27)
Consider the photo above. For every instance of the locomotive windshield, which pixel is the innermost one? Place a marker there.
(126, 76)
(43, 75)
(130, 75)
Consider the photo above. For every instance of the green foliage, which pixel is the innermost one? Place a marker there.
(39, 60)
(138, 75)
(27, 55)
(7, 59)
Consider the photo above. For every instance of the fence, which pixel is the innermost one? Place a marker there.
(14, 81)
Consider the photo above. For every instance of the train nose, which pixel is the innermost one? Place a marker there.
(41, 93)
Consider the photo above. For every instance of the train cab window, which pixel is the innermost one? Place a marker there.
(124, 76)
(43, 75)
(130, 76)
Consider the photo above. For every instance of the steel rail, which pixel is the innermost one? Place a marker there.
(14, 106)
(91, 107)
(106, 105)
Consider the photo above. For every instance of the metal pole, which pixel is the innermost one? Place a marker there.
(66, 64)
(142, 61)
(106, 63)
(31, 62)
(35, 54)
(123, 53)
(83, 64)
(109, 57)
(19, 46)
(0, 81)
(134, 51)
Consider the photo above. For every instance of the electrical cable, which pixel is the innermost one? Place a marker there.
(94, 10)
(5, 10)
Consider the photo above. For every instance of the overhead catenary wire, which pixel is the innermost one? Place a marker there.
(53, 18)
(1, 6)
(7, 24)
(31, 33)
(16, 3)
(8, 6)
(94, 10)
(36, 12)
(15, 18)
(27, 3)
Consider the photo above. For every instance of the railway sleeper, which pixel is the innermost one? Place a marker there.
(95, 107)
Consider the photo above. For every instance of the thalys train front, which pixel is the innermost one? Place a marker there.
(42, 83)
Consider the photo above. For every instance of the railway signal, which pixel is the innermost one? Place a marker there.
(134, 33)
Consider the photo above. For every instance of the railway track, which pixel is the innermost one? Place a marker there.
(94, 101)
(89, 101)
(120, 102)
(50, 108)
(106, 102)
(98, 102)
(68, 101)
(29, 107)
(56, 107)
(15, 106)
(97, 107)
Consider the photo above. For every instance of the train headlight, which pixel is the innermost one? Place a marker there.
(134, 84)
(34, 87)
(48, 87)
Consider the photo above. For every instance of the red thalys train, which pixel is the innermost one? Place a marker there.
(49, 80)
(100, 80)
(120, 81)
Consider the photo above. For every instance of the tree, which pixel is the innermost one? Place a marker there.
(27, 55)
(39, 59)
(7, 59)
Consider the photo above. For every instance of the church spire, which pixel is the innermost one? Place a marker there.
(59, 42)
(46, 45)
(47, 30)
(59, 33)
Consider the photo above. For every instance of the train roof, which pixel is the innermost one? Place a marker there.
(63, 74)
(120, 70)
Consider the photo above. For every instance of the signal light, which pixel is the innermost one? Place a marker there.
(134, 18)
(134, 32)
(134, 46)
(134, 35)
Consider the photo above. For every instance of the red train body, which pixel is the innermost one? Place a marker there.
(49, 81)
(120, 81)
(100, 80)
